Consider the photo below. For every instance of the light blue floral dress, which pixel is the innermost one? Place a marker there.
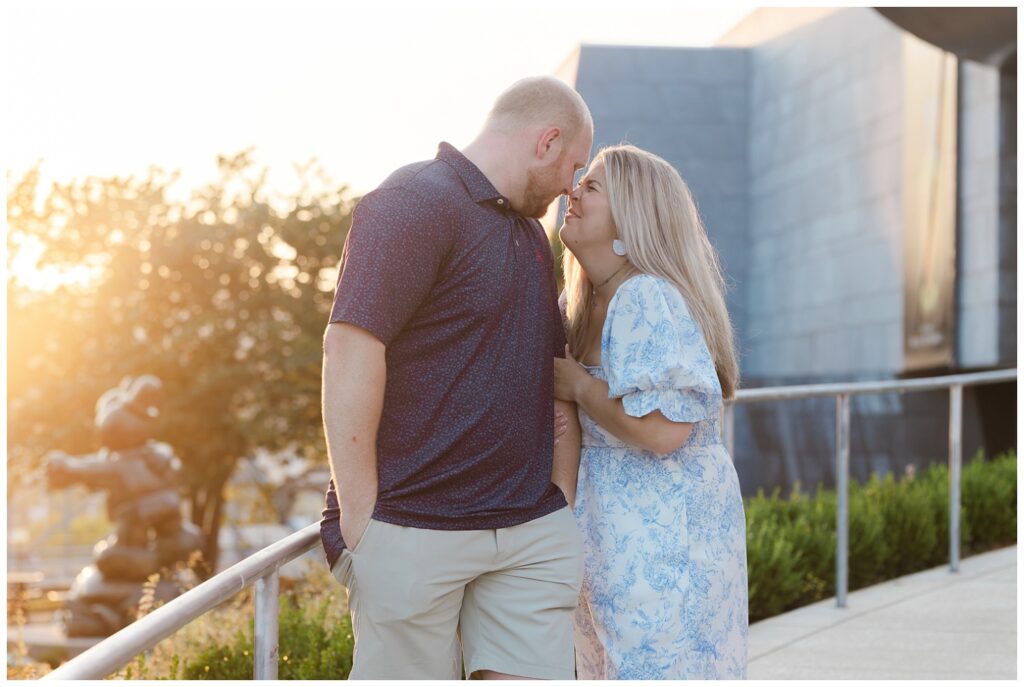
(665, 572)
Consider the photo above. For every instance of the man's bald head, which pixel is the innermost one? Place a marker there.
(539, 102)
(537, 135)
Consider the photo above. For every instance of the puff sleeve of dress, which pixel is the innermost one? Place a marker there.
(654, 355)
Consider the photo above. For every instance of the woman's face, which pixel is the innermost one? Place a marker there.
(588, 220)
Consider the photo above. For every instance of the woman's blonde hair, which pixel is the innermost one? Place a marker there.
(656, 217)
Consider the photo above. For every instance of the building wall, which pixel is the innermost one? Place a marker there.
(978, 261)
(1008, 213)
(824, 286)
(825, 277)
(766, 23)
(802, 195)
(689, 106)
(825, 271)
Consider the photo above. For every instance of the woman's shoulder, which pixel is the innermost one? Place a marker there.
(652, 292)
(642, 280)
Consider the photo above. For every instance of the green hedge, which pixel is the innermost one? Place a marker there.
(895, 528)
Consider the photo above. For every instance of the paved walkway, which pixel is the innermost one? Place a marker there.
(930, 625)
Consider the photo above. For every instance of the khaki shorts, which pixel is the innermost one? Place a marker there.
(508, 593)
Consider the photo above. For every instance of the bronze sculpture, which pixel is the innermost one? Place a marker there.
(141, 478)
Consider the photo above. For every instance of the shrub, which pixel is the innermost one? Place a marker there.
(909, 528)
(773, 564)
(989, 494)
(895, 528)
(934, 482)
(815, 541)
(868, 549)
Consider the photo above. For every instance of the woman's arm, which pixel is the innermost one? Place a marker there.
(653, 432)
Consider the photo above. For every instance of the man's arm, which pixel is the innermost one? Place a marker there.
(567, 453)
(354, 372)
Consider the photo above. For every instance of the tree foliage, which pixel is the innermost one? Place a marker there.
(224, 296)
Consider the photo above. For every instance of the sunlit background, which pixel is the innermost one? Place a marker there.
(181, 179)
(111, 88)
(166, 216)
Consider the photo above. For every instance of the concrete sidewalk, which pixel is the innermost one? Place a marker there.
(930, 625)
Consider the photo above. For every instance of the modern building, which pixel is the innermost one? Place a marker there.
(859, 184)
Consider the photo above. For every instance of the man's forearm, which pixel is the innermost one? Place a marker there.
(566, 464)
(353, 397)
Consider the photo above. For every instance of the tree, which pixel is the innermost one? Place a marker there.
(225, 297)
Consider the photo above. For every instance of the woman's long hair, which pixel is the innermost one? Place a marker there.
(657, 218)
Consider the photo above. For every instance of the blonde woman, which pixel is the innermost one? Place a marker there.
(658, 501)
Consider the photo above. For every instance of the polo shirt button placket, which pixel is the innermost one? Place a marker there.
(501, 202)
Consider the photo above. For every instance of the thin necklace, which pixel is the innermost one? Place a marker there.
(614, 274)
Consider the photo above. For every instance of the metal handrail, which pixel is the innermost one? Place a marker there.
(781, 393)
(842, 393)
(262, 568)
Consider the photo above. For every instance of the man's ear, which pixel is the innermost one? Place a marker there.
(549, 146)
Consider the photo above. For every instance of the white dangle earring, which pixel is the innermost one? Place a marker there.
(618, 247)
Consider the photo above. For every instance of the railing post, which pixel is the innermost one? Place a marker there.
(956, 397)
(842, 496)
(267, 609)
(729, 430)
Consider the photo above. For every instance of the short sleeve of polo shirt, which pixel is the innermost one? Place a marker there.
(392, 259)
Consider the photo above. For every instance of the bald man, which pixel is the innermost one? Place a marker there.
(450, 525)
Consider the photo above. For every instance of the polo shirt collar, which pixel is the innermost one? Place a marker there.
(481, 190)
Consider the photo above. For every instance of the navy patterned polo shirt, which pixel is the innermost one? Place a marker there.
(461, 291)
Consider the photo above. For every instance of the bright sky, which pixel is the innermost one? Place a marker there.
(104, 88)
